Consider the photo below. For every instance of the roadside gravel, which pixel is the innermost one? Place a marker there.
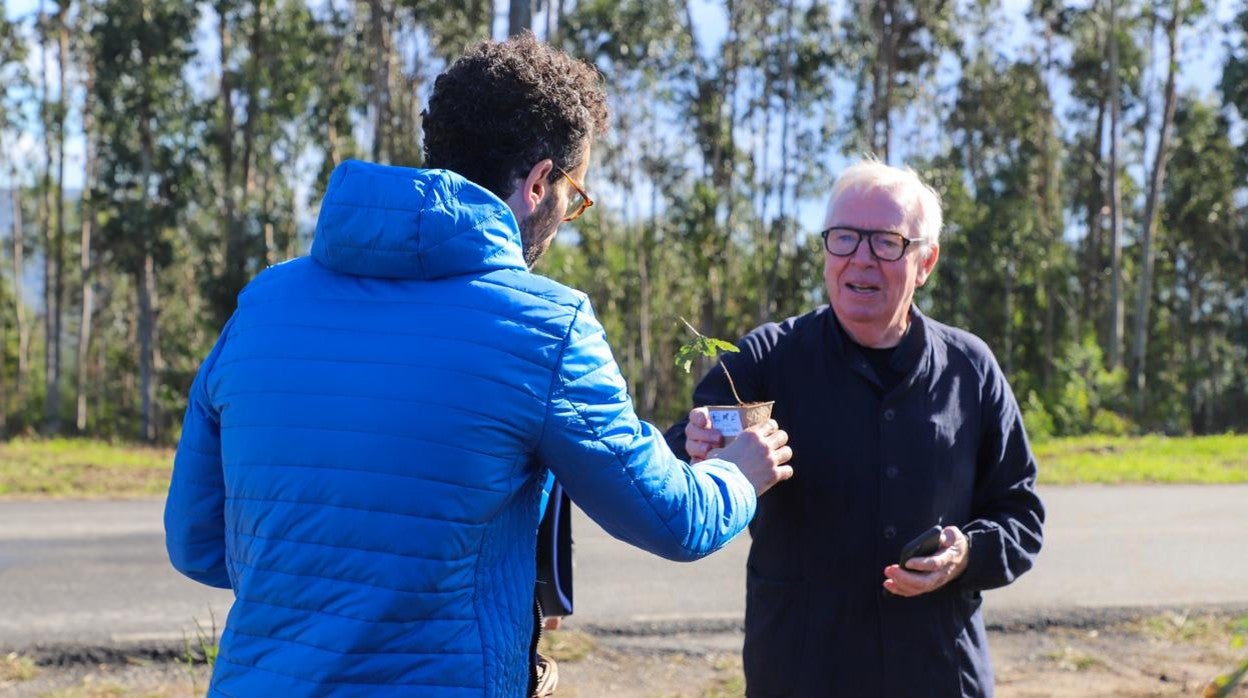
(1163, 654)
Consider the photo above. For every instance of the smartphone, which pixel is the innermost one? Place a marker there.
(923, 545)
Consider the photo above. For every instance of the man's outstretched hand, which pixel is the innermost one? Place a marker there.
(760, 453)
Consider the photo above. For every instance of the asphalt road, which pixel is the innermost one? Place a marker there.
(95, 573)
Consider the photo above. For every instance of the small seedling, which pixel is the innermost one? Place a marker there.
(709, 347)
(1224, 685)
(203, 649)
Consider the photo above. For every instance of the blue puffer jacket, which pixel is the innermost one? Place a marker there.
(364, 449)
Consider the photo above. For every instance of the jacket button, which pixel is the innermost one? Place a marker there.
(890, 532)
(889, 414)
(891, 472)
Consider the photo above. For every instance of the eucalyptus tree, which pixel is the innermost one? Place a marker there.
(1009, 241)
(335, 40)
(1204, 270)
(638, 45)
(53, 32)
(1114, 167)
(288, 74)
(242, 42)
(272, 100)
(83, 55)
(452, 26)
(1233, 85)
(1088, 168)
(141, 50)
(899, 40)
(13, 79)
(1180, 13)
(800, 72)
(519, 17)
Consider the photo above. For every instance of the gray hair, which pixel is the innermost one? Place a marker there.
(920, 202)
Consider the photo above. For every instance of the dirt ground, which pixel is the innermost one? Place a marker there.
(1165, 655)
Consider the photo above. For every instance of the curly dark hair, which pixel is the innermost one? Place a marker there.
(507, 105)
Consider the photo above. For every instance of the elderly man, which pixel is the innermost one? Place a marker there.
(898, 423)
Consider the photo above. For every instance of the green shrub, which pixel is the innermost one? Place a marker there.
(1036, 419)
(1107, 423)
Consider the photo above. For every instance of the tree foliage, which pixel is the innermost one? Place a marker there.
(216, 124)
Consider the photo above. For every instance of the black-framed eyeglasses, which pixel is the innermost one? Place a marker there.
(886, 245)
(578, 202)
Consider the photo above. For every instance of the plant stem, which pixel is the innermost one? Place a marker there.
(730, 383)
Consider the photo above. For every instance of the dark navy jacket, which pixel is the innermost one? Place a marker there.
(871, 471)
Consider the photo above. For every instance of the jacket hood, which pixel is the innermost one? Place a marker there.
(406, 223)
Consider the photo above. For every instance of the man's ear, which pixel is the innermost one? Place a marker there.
(532, 189)
(927, 264)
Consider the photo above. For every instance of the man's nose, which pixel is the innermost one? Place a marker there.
(863, 254)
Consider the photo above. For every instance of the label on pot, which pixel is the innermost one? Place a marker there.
(727, 422)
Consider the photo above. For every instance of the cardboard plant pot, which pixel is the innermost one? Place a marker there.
(731, 420)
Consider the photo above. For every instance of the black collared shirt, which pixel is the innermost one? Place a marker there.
(875, 462)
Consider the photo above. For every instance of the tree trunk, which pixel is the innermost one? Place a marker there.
(1155, 183)
(46, 207)
(1096, 205)
(520, 17)
(88, 225)
(231, 234)
(20, 385)
(878, 79)
(333, 139)
(52, 413)
(1007, 327)
(381, 15)
(786, 103)
(247, 176)
(890, 81)
(1115, 198)
(1051, 212)
(552, 22)
(149, 311)
(145, 279)
(649, 372)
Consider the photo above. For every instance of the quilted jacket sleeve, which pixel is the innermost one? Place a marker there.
(195, 507)
(619, 470)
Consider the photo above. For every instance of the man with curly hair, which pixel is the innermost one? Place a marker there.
(364, 449)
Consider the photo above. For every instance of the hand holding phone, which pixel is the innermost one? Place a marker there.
(923, 545)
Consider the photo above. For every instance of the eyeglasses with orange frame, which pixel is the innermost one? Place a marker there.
(578, 203)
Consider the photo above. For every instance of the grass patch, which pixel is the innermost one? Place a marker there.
(14, 668)
(82, 468)
(90, 689)
(1183, 628)
(729, 681)
(1070, 659)
(88, 469)
(566, 645)
(1139, 459)
(725, 687)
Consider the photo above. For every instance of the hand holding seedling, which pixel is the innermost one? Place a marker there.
(700, 435)
(760, 453)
